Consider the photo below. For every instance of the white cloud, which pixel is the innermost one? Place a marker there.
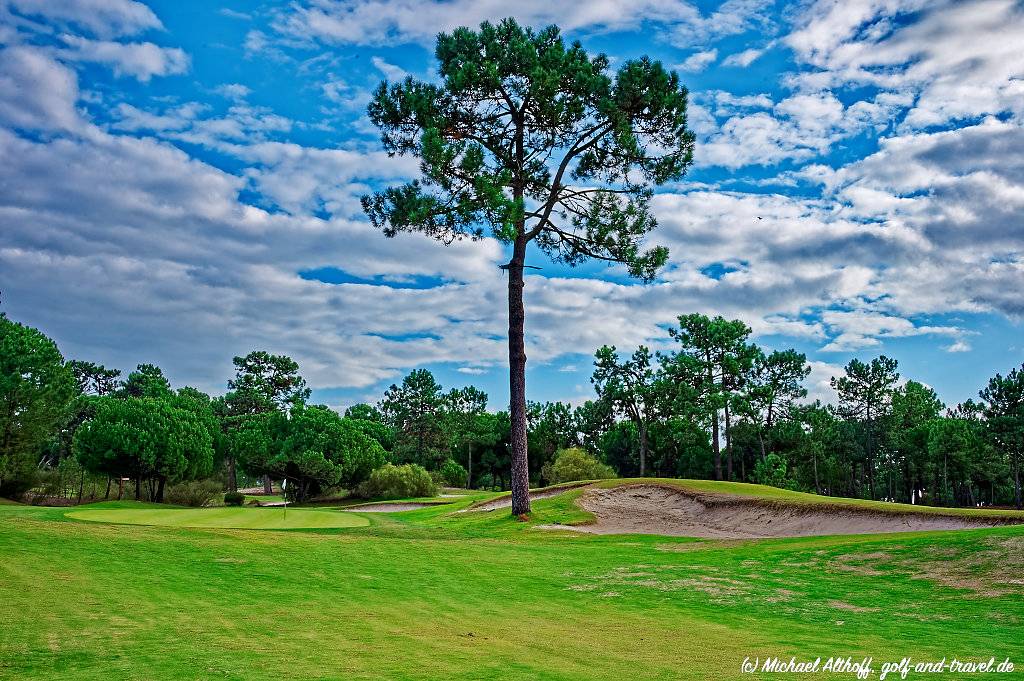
(859, 329)
(234, 91)
(961, 57)
(800, 127)
(104, 18)
(139, 60)
(375, 22)
(959, 345)
(698, 61)
(390, 71)
(39, 93)
(743, 59)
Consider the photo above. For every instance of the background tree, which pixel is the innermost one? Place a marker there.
(591, 420)
(491, 449)
(483, 434)
(1003, 406)
(364, 412)
(551, 427)
(709, 368)
(462, 408)
(538, 141)
(35, 389)
(94, 379)
(774, 385)
(263, 383)
(908, 430)
(150, 439)
(632, 387)
(147, 380)
(319, 449)
(865, 393)
(415, 410)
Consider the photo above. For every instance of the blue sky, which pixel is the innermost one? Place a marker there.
(181, 184)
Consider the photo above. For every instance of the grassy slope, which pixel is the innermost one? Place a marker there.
(436, 594)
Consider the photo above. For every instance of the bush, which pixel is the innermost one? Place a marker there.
(398, 482)
(574, 464)
(234, 499)
(771, 471)
(193, 493)
(451, 474)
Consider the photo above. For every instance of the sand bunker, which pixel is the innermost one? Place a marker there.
(653, 509)
(390, 507)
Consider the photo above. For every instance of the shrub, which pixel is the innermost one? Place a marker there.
(194, 493)
(234, 499)
(398, 482)
(772, 471)
(452, 474)
(575, 464)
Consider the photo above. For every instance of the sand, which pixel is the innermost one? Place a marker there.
(663, 510)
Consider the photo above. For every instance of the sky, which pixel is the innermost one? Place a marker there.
(180, 183)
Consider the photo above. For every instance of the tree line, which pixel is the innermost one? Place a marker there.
(716, 406)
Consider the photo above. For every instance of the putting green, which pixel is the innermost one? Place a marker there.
(233, 518)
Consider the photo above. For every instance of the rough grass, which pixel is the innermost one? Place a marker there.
(434, 593)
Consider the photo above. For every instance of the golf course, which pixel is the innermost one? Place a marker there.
(452, 590)
(458, 340)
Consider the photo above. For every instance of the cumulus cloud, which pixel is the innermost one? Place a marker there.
(196, 263)
(374, 22)
(961, 58)
(753, 130)
(698, 61)
(103, 18)
(40, 93)
(743, 59)
(139, 60)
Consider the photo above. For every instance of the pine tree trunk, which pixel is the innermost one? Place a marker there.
(232, 475)
(715, 446)
(268, 486)
(817, 485)
(1016, 480)
(728, 443)
(469, 471)
(643, 448)
(517, 379)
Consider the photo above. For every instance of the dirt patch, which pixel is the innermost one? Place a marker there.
(840, 605)
(391, 507)
(656, 509)
(506, 500)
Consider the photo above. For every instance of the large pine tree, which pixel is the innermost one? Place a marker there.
(537, 142)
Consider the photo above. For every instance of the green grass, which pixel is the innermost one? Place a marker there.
(223, 517)
(433, 593)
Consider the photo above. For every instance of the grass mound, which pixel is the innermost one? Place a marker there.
(233, 518)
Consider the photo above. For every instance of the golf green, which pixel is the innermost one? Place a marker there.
(238, 518)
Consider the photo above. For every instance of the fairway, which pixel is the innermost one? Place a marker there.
(438, 593)
(237, 518)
